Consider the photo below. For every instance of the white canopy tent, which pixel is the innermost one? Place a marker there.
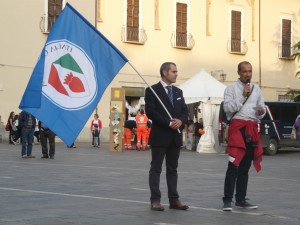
(204, 88)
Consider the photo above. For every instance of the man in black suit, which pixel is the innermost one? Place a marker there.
(166, 134)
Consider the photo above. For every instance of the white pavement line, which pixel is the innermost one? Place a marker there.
(243, 212)
(139, 189)
(6, 177)
(72, 165)
(115, 173)
(72, 195)
(166, 224)
(141, 202)
(131, 169)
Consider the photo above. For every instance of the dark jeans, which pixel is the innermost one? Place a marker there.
(96, 138)
(27, 139)
(50, 136)
(172, 155)
(238, 177)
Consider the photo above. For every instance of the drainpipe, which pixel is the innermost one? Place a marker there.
(259, 43)
(96, 21)
(96, 12)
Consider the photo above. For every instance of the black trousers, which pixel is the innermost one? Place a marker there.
(237, 177)
(172, 155)
(44, 136)
(96, 138)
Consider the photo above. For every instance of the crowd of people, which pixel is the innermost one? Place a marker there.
(137, 132)
(24, 127)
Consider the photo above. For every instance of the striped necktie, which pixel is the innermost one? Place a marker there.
(170, 94)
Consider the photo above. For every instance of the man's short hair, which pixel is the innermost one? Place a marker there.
(241, 64)
(165, 66)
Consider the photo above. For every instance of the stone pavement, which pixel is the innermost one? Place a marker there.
(95, 186)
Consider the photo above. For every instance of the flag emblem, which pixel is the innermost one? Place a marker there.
(69, 77)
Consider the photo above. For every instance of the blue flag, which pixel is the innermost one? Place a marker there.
(75, 67)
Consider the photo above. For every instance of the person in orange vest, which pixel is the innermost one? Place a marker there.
(141, 129)
(129, 126)
(149, 125)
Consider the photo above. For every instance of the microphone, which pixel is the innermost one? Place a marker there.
(248, 83)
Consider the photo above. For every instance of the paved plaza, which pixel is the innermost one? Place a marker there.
(92, 186)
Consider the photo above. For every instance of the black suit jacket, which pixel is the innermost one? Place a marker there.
(161, 134)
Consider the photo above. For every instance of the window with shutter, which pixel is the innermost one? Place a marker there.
(132, 20)
(286, 38)
(54, 9)
(236, 31)
(181, 24)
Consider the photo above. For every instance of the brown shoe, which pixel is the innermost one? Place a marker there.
(156, 206)
(178, 205)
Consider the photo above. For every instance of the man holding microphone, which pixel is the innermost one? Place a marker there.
(244, 107)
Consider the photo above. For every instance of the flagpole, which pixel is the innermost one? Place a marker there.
(153, 92)
(96, 23)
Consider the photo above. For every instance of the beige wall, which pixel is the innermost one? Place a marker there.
(21, 42)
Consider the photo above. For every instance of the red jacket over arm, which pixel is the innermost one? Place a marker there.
(236, 147)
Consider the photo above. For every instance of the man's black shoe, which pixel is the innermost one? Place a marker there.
(227, 206)
(44, 157)
(245, 205)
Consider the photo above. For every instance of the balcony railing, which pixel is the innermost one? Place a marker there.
(183, 41)
(46, 23)
(134, 35)
(237, 47)
(285, 51)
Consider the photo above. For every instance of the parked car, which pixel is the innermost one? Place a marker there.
(275, 128)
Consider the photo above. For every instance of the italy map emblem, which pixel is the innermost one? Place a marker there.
(69, 77)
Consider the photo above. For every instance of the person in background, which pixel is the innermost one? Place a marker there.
(15, 129)
(166, 135)
(149, 126)
(129, 126)
(36, 132)
(244, 106)
(198, 132)
(47, 135)
(96, 127)
(27, 123)
(10, 128)
(141, 129)
(190, 129)
(297, 127)
(72, 145)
